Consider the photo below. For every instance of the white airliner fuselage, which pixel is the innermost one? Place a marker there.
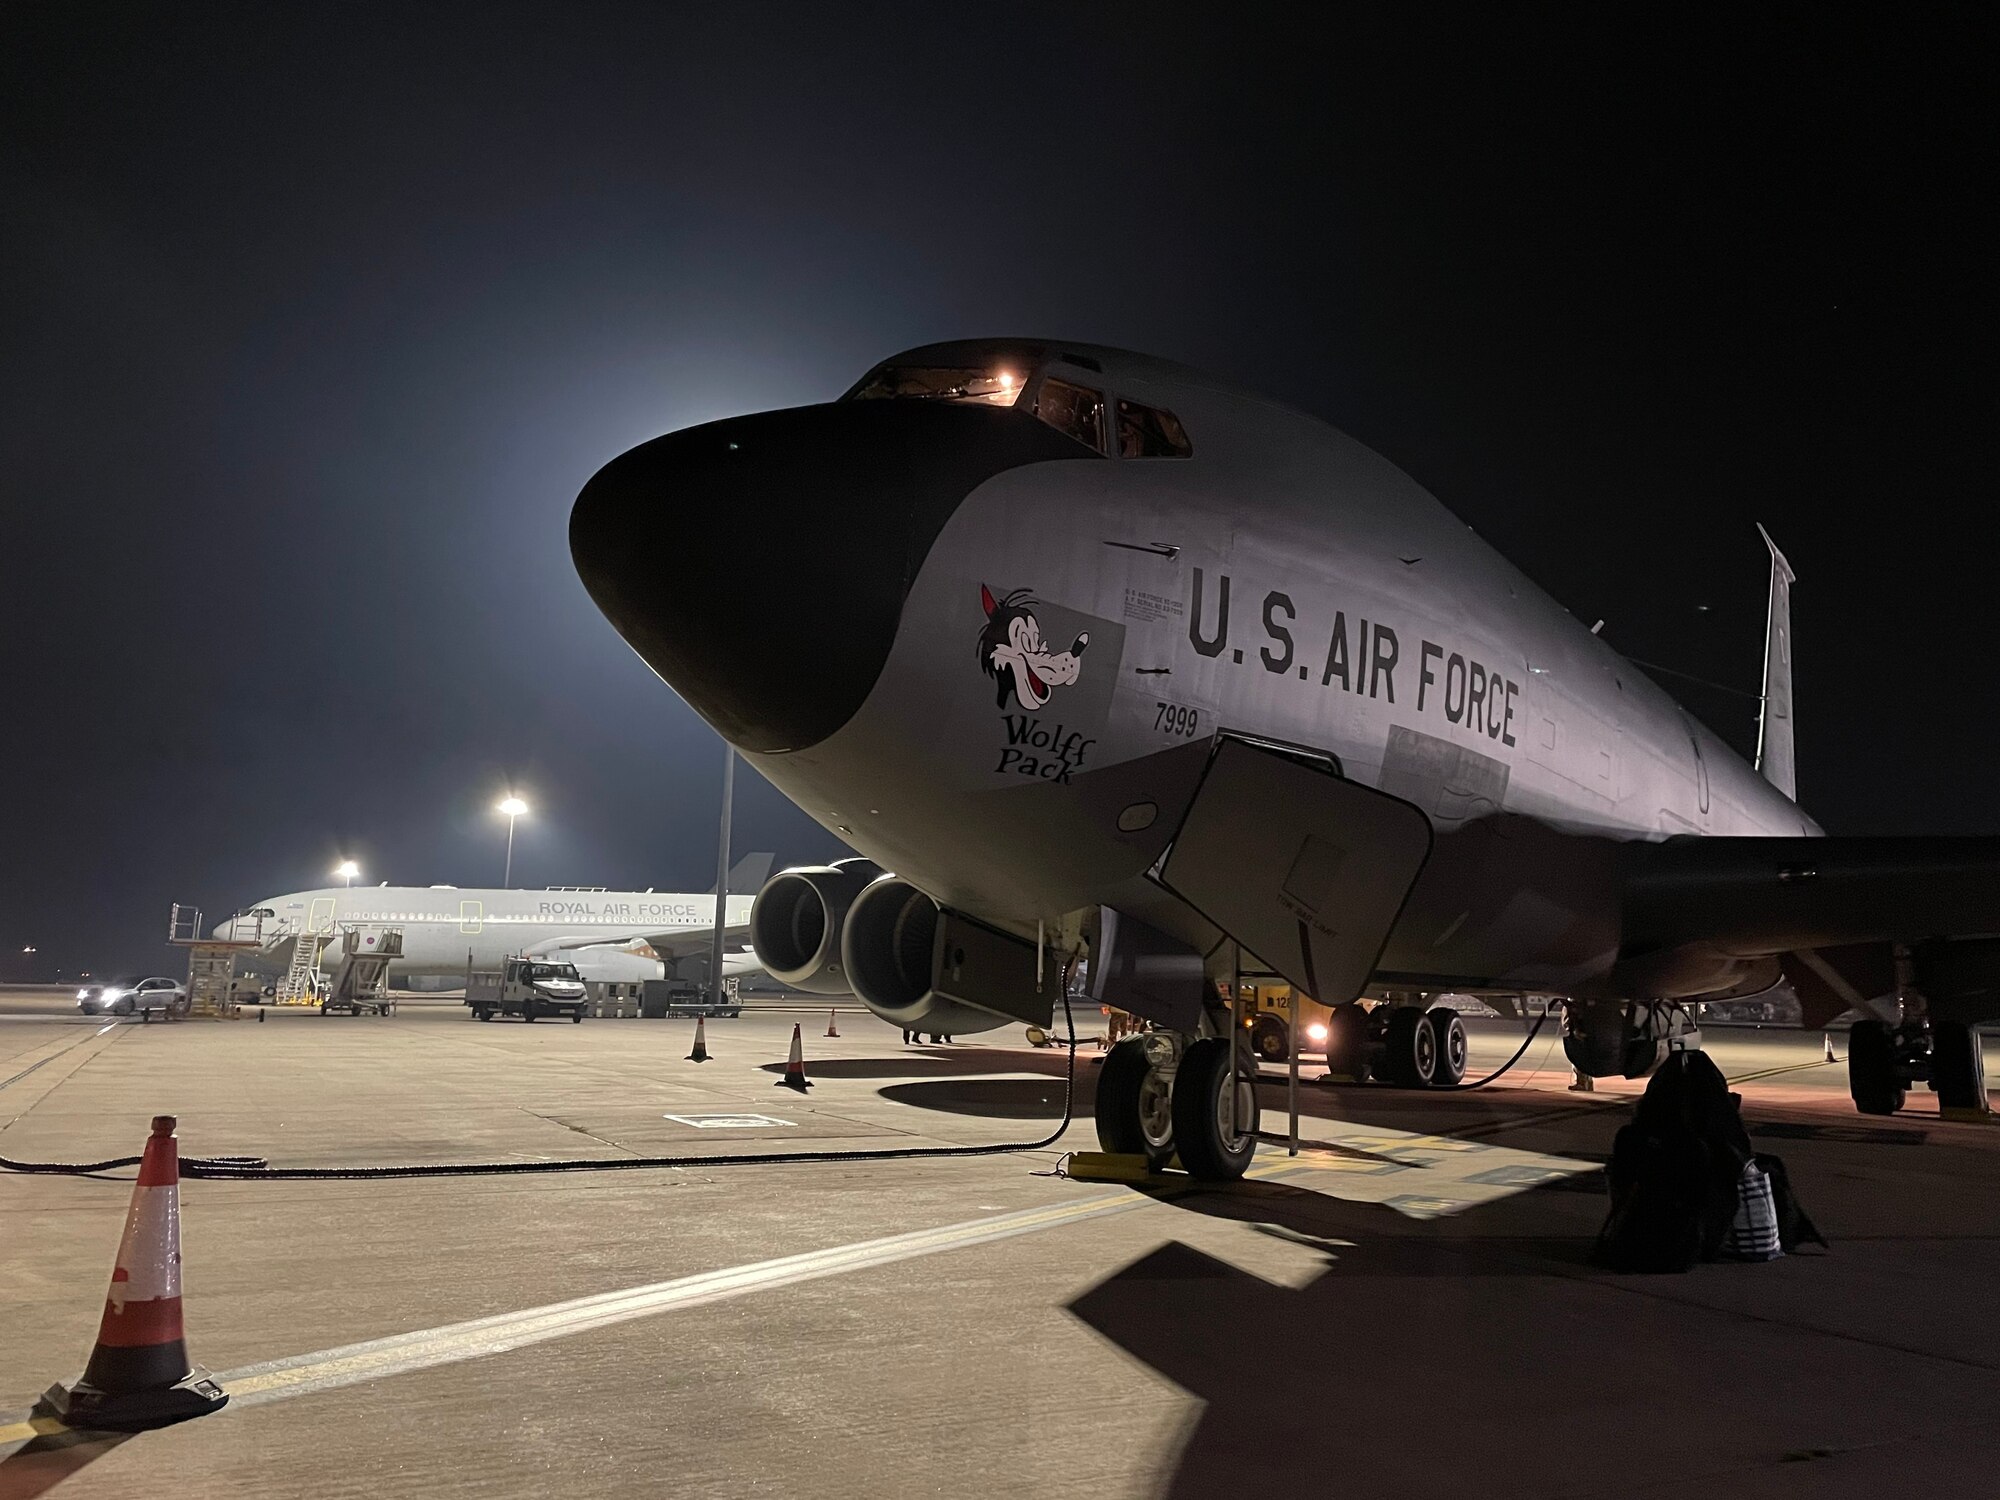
(446, 929)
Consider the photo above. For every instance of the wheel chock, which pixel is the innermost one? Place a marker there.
(1962, 1114)
(1107, 1166)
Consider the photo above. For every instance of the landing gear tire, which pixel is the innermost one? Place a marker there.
(1347, 1042)
(1215, 1111)
(1871, 1068)
(1957, 1070)
(1410, 1049)
(1135, 1115)
(1269, 1041)
(1448, 1035)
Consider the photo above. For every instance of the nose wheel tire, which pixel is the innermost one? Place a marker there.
(1448, 1038)
(1872, 1080)
(1957, 1071)
(1135, 1114)
(1215, 1110)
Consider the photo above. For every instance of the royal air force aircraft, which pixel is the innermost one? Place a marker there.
(1094, 657)
(616, 936)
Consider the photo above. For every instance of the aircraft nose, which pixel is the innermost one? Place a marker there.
(760, 564)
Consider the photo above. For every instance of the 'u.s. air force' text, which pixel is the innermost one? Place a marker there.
(1364, 662)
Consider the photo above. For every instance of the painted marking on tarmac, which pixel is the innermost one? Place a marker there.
(1423, 1176)
(330, 1368)
(452, 1343)
(10, 1082)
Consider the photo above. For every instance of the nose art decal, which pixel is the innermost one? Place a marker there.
(1013, 653)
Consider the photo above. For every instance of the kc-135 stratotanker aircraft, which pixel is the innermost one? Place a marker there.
(1097, 658)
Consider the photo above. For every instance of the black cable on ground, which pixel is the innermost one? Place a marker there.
(1529, 1041)
(257, 1169)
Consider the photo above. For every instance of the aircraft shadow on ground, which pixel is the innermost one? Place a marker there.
(993, 1098)
(913, 1065)
(42, 1463)
(1421, 1359)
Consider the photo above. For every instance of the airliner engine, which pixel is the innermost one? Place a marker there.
(796, 919)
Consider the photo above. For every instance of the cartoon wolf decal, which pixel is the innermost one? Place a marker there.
(1011, 650)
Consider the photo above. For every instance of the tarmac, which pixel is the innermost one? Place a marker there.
(1403, 1309)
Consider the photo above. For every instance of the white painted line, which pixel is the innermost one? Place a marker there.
(328, 1369)
(728, 1122)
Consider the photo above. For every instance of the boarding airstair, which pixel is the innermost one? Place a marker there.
(301, 984)
(360, 979)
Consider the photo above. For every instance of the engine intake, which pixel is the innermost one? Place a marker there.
(915, 963)
(796, 920)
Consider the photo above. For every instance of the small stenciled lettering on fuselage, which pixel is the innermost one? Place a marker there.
(1324, 647)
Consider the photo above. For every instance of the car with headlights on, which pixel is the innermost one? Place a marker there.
(134, 993)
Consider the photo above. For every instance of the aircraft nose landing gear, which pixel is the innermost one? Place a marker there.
(1135, 1115)
(1160, 1095)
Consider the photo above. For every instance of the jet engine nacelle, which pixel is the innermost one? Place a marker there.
(795, 923)
(1629, 1038)
(917, 964)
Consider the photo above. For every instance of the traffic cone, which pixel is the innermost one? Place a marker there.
(700, 1053)
(1827, 1037)
(139, 1375)
(795, 1065)
(831, 1029)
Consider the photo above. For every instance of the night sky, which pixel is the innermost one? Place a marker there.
(314, 318)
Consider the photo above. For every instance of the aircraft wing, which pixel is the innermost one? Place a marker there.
(1766, 895)
(1829, 912)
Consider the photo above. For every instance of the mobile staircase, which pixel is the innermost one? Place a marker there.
(360, 980)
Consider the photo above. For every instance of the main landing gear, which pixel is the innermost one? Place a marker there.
(1162, 1095)
(1883, 1061)
(1404, 1045)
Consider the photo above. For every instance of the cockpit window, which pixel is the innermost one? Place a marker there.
(938, 383)
(1073, 409)
(261, 911)
(1151, 432)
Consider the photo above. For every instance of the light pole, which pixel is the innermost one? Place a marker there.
(513, 807)
(347, 869)
(721, 878)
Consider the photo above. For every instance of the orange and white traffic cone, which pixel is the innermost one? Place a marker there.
(139, 1375)
(831, 1029)
(700, 1053)
(795, 1065)
(1827, 1037)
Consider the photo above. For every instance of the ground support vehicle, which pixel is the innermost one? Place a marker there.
(529, 988)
